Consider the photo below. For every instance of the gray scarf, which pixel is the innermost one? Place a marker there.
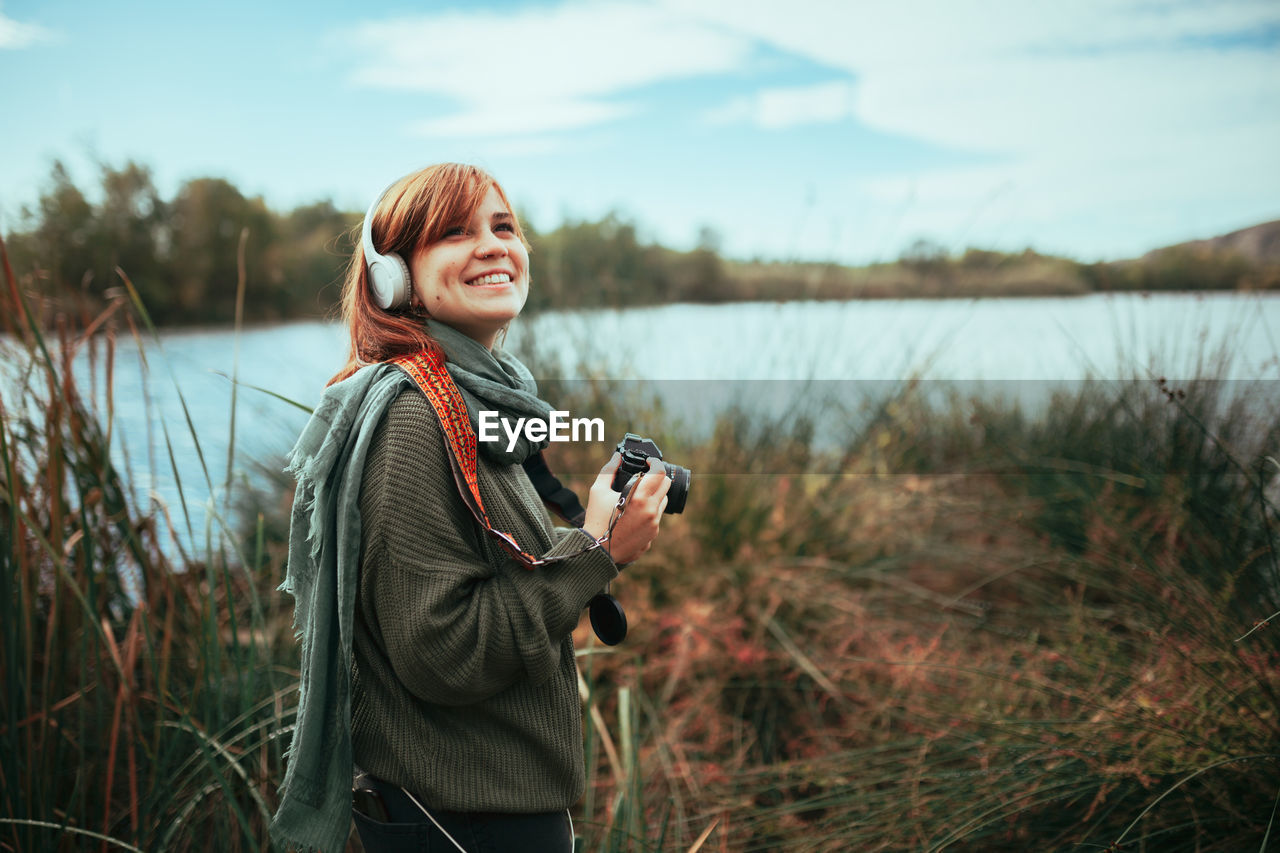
(492, 381)
(324, 555)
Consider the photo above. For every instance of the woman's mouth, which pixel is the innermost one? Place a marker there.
(490, 278)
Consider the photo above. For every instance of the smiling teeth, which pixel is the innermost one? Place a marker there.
(496, 278)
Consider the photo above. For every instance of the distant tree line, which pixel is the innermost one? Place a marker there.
(183, 255)
(605, 263)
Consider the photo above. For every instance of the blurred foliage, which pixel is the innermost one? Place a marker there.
(1185, 267)
(182, 255)
(599, 264)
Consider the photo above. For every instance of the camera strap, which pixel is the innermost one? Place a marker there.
(426, 369)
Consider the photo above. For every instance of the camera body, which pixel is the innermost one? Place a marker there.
(636, 452)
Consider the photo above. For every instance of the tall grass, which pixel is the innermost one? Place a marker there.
(980, 627)
(143, 701)
(970, 626)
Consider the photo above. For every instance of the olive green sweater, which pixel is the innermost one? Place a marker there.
(464, 682)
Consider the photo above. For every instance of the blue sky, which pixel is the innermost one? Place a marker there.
(826, 130)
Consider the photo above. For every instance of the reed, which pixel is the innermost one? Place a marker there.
(978, 626)
(144, 695)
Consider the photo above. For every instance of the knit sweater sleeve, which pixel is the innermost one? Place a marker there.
(460, 620)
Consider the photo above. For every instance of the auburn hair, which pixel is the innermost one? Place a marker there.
(412, 214)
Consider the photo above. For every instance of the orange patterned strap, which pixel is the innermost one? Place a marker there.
(426, 368)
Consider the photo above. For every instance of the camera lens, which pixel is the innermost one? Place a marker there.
(679, 487)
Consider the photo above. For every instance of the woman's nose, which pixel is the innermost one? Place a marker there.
(489, 246)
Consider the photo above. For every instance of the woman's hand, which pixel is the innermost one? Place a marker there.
(638, 525)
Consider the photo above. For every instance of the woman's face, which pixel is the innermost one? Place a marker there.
(476, 277)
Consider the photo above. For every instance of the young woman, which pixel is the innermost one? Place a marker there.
(433, 659)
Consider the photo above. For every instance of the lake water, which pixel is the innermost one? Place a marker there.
(1099, 336)
(699, 358)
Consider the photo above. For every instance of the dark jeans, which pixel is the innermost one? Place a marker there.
(410, 831)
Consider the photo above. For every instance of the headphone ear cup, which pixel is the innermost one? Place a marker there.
(389, 280)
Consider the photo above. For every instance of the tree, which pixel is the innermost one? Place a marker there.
(131, 232)
(925, 256)
(206, 219)
(309, 258)
(58, 250)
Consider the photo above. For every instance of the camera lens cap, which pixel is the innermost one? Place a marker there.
(608, 619)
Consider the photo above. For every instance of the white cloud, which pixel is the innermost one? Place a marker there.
(1016, 76)
(555, 69)
(787, 106)
(520, 119)
(1086, 104)
(15, 35)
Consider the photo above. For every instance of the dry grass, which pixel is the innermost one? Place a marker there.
(144, 702)
(977, 631)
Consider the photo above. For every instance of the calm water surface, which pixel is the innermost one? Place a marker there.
(700, 349)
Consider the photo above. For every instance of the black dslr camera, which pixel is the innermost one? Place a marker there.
(635, 460)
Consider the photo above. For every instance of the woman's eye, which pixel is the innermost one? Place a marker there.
(455, 231)
(505, 226)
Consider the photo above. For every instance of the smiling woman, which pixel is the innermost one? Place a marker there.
(476, 278)
(435, 598)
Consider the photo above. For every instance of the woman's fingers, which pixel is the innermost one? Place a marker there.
(650, 496)
(606, 473)
(654, 483)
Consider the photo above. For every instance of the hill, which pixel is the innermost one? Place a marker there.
(1259, 244)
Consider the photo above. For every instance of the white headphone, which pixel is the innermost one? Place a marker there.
(389, 279)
